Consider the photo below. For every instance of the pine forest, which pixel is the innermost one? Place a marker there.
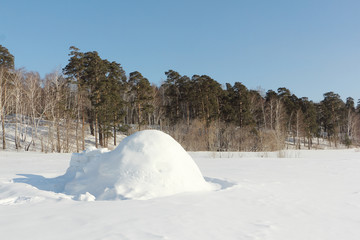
(94, 96)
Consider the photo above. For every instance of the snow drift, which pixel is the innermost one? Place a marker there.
(145, 165)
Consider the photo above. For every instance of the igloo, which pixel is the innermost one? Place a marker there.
(145, 165)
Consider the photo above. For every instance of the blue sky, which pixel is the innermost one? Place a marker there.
(308, 46)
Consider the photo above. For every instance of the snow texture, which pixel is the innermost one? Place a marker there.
(295, 195)
(145, 165)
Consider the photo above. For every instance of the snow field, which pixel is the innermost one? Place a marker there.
(310, 195)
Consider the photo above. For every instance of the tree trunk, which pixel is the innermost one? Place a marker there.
(83, 130)
(96, 131)
(114, 135)
(77, 134)
(271, 115)
(16, 127)
(58, 139)
(68, 124)
(101, 136)
(3, 130)
(139, 116)
(2, 109)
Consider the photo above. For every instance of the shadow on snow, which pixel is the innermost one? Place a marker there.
(222, 183)
(57, 184)
(47, 184)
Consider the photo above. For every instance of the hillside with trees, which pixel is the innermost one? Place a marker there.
(95, 96)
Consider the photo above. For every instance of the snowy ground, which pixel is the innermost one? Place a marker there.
(305, 195)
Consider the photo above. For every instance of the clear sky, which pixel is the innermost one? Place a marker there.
(308, 46)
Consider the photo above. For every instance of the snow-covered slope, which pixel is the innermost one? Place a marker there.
(308, 195)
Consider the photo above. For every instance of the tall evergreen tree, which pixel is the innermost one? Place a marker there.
(311, 127)
(173, 95)
(179, 94)
(142, 96)
(293, 117)
(74, 71)
(111, 110)
(331, 108)
(207, 99)
(350, 120)
(6, 64)
(271, 100)
(94, 78)
(238, 104)
(6, 58)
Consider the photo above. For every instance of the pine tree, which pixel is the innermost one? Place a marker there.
(208, 94)
(6, 58)
(293, 117)
(75, 71)
(350, 119)
(271, 100)
(238, 104)
(311, 127)
(6, 65)
(179, 94)
(142, 96)
(93, 78)
(111, 100)
(256, 108)
(173, 95)
(331, 108)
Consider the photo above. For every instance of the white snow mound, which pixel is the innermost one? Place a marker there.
(145, 165)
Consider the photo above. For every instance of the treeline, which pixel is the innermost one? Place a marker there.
(95, 95)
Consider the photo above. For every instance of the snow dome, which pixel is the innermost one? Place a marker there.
(145, 165)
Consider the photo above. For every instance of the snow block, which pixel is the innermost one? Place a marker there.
(145, 165)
